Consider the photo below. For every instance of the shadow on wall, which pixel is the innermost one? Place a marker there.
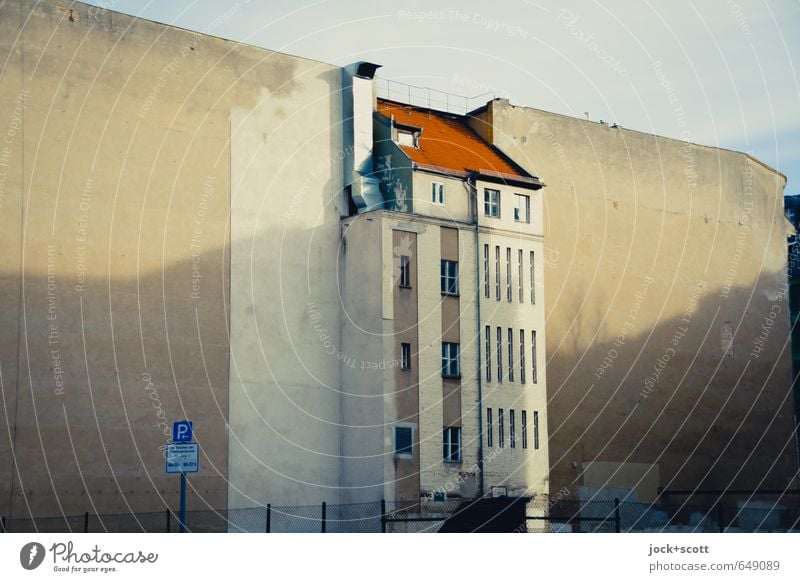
(706, 395)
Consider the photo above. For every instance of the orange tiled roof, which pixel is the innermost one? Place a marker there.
(447, 141)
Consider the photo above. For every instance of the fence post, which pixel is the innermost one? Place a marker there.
(719, 517)
(383, 516)
(168, 520)
(269, 517)
(324, 517)
(3, 524)
(86, 522)
(617, 520)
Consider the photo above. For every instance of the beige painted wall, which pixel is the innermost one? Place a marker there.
(653, 247)
(114, 271)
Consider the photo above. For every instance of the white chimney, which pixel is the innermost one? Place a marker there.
(357, 102)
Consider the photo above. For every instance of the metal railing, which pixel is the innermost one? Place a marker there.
(430, 98)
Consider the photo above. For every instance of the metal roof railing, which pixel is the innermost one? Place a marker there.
(430, 98)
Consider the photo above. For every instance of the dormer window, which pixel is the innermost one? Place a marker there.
(407, 138)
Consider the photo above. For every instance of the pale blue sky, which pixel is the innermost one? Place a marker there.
(731, 66)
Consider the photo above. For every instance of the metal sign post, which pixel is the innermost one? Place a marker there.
(182, 457)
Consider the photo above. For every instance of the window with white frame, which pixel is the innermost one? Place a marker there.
(533, 279)
(437, 193)
(535, 430)
(508, 274)
(510, 355)
(489, 428)
(450, 363)
(405, 356)
(488, 354)
(522, 356)
(403, 441)
(497, 272)
(520, 276)
(486, 271)
(522, 208)
(407, 138)
(405, 271)
(524, 429)
(499, 355)
(451, 451)
(512, 429)
(449, 277)
(501, 429)
(491, 203)
(533, 357)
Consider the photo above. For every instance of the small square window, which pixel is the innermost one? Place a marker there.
(437, 193)
(403, 441)
(491, 203)
(449, 277)
(405, 356)
(451, 451)
(522, 208)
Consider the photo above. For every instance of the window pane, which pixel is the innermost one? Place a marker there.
(497, 272)
(510, 355)
(519, 275)
(522, 356)
(500, 429)
(486, 270)
(403, 440)
(512, 437)
(533, 280)
(508, 274)
(489, 428)
(524, 430)
(535, 430)
(488, 354)
(533, 357)
(499, 354)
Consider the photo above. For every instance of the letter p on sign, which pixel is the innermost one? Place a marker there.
(182, 431)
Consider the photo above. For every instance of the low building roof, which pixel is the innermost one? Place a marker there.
(447, 142)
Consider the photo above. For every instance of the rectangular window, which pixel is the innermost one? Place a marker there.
(488, 354)
(512, 430)
(405, 271)
(437, 193)
(510, 355)
(499, 355)
(489, 428)
(486, 271)
(501, 429)
(405, 356)
(520, 277)
(508, 274)
(497, 272)
(524, 430)
(533, 280)
(522, 208)
(533, 357)
(451, 451)
(403, 441)
(449, 277)
(450, 365)
(491, 203)
(535, 430)
(522, 356)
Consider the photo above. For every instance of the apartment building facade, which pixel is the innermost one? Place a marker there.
(460, 373)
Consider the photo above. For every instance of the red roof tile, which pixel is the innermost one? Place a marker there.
(447, 141)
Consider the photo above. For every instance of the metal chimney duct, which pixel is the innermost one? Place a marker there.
(357, 104)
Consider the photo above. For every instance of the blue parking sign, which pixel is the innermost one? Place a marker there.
(182, 431)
